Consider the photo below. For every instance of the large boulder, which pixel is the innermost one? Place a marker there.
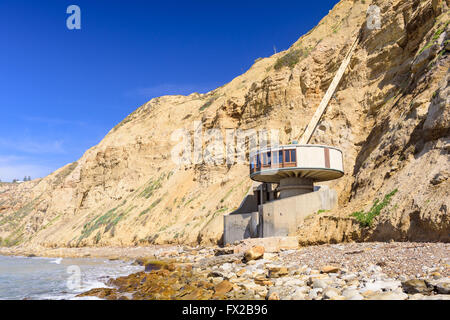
(416, 286)
(270, 244)
(254, 253)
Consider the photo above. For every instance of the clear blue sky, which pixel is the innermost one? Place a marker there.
(62, 90)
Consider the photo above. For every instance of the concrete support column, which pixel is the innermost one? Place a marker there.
(254, 225)
(290, 187)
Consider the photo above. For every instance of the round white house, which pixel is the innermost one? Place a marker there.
(295, 168)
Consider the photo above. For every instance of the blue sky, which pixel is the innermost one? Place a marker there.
(62, 90)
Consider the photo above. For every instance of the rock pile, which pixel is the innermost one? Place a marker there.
(283, 275)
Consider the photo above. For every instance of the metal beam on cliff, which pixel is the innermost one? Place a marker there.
(326, 99)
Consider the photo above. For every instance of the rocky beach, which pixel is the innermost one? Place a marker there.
(277, 269)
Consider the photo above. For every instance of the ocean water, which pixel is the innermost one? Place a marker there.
(50, 278)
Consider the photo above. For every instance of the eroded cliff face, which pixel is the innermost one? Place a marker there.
(390, 116)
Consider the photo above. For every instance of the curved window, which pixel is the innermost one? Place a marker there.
(266, 159)
(290, 156)
(276, 159)
(293, 155)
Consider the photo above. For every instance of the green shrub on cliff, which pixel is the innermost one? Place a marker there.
(435, 37)
(152, 187)
(9, 242)
(108, 220)
(65, 173)
(365, 219)
(207, 104)
(290, 59)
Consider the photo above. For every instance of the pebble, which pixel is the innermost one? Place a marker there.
(329, 269)
(273, 296)
(319, 283)
(388, 296)
(298, 295)
(348, 293)
(330, 293)
(314, 293)
(277, 271)
(294, 282)
(443, 288)
(381, 285)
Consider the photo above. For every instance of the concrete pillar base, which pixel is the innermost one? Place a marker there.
(284, 216)
(290, 187)
(277, 218)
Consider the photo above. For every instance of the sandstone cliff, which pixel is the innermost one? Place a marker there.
(390, 116)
